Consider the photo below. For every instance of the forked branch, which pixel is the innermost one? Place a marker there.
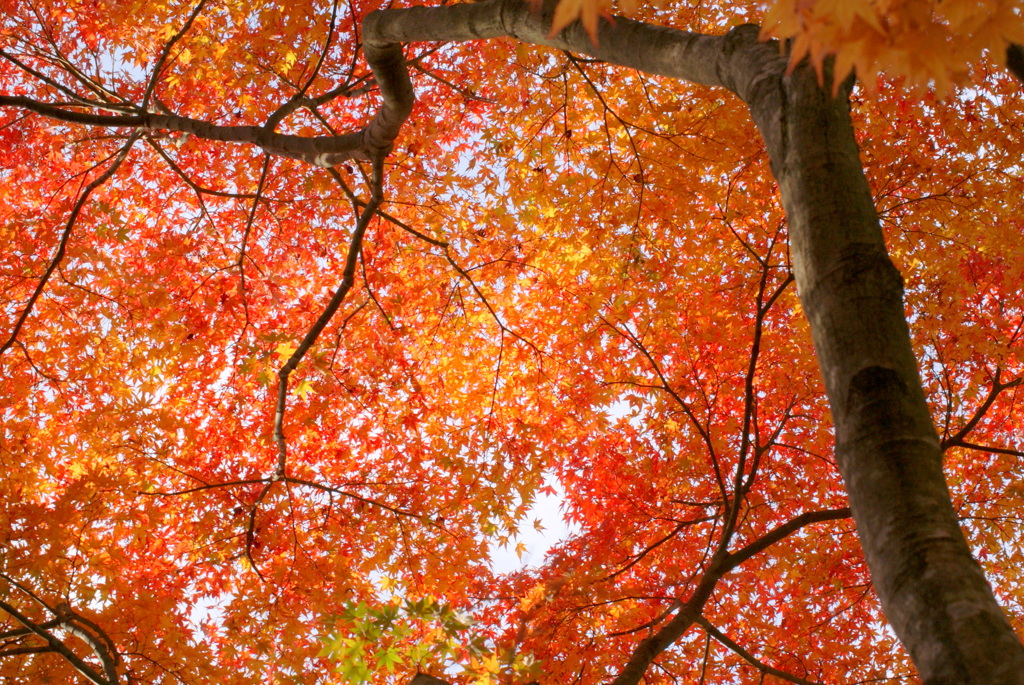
(71, 622)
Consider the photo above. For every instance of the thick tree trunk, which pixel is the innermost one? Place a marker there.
(932, 590)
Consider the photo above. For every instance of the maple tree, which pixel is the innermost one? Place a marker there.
(289, 345)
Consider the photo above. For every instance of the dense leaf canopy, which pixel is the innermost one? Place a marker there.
(577, 283)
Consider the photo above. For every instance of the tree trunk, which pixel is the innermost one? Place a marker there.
(933, 592)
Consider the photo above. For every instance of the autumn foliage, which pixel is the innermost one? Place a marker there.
(577, 283)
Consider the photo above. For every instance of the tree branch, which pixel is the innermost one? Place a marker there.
(58, 256)
(669, 52)
(785, 530)
(748, 657)
(58, 646)
(348, 279)
(323, 151)
(167, 51)
(958, 440)
(94, 636)
(690, 610)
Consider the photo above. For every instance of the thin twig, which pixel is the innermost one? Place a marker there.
(198, 189)
(639, 556)
(750, 658)
(62, 246)
(299, 99)
(245, 239)
(151, 86)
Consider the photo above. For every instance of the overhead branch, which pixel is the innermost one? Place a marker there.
(35, 73)
(651, 647)
(783, 531)
(196, 188)
(57, 646)
(250, 219)
(250, 531)
(323, 151)
(299, 99)
(741, 483)
(990, 449)
(750, 658)
(359, 498)
(958, 439)
(673, 53)
(18, 651)
(667, 52)
(94, 636)
(21, 632)
(702, 429)
(69, 620)
(639, 556)
(165, 53)
(690, 610)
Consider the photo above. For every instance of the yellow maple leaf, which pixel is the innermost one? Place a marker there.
(303, 389)
(285, 350)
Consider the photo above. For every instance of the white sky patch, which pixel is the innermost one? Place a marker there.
(536, 543)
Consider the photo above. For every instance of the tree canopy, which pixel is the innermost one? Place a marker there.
(306, 304)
